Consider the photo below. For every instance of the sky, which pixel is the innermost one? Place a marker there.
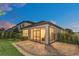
(65, 15)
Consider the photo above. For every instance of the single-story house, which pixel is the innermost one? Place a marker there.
(43, 32)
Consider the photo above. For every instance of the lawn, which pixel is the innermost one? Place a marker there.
(7, 49)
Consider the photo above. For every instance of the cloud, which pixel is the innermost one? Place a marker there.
(74, 26)
(6, 24)
(19, 4)
(6, 7)
(52, 21)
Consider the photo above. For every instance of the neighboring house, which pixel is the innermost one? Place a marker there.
(20, 26)
(24, 24)
(10, 29)
(43, 31)
(17, 28)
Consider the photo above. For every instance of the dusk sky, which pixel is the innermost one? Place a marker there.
(64, 15)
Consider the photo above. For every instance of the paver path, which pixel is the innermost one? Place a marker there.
(55, 49)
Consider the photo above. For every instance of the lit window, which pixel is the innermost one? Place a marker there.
(25, 33)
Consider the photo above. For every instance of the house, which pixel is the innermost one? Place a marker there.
(42, 32)
(24, 24)
(17, 28)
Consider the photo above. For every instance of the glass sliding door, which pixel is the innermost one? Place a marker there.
(38, 34)
(52, 34)
(42, 34)
(32, 34)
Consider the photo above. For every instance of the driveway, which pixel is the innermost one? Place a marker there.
(55, 49)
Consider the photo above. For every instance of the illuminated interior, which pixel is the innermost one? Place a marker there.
(52, 34)
(38, 34)
(25, 33)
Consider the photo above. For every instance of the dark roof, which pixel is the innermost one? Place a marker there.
(21, 23)
(42, 23)
(26, 22)
(47, 22)
(36, 24)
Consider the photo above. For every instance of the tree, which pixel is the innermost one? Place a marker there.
(69, 30)
(2, 32)
(16, 30)
(68, 36)
(2, 29)
(16, 34)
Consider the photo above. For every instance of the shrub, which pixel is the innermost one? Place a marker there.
(67, 38)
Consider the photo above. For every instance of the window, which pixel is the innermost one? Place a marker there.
(25, 33)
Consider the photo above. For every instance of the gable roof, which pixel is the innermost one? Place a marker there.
(21, 23)
(26, 22)
(42, 23)
(50, 23)
(36, 24)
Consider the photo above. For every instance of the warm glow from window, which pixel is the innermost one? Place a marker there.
(52, 34)
(42, 33)
(25, 33)
(38, 34)
(31, 33)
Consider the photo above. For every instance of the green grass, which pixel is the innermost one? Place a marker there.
(7, 49)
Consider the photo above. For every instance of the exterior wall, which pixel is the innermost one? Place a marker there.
(26, 24)
(22, 25)
(19, 28)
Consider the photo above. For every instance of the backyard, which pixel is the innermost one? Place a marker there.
(7, 49)
(55, 49)
(33, 48)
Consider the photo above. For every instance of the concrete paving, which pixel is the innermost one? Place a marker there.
(21, 50)
(55, 49)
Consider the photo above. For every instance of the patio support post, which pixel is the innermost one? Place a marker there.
(29, 33)
(46, 36)
(56, 34)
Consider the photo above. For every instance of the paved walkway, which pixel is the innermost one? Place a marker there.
(21, 50)
(55, 49)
